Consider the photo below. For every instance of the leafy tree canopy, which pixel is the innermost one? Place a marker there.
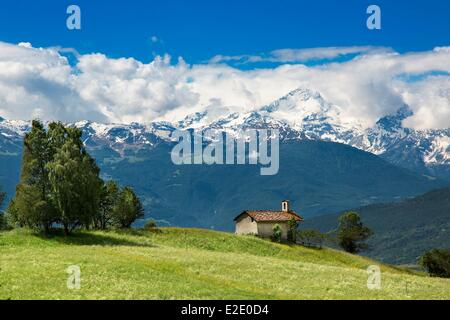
(60, 184)
(436, 262)
(351, 233)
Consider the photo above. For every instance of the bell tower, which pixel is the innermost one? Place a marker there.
(285, 206)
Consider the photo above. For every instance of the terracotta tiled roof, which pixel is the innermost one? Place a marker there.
(265, 215)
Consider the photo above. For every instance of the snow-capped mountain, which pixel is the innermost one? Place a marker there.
(301, 114)
(124, 137)
(305, 114)
(11, 134)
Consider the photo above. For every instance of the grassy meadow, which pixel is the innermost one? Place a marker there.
(193, 264)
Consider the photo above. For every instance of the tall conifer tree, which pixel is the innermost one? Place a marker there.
(32, 205)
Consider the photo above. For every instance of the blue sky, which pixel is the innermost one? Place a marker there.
(239, 55)
(199, 30)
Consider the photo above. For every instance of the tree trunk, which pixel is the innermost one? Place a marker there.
(66, 230)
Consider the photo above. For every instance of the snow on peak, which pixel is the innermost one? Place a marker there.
(18, 127)
(439, 153)
(303, 107)
(301, 114)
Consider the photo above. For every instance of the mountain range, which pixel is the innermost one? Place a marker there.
(327, 162)
(300, 115)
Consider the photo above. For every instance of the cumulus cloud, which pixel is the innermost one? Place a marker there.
(41, 82)
(431, 101)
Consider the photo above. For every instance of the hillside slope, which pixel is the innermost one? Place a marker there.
(318, 177)
(403, 230)
(193, 264)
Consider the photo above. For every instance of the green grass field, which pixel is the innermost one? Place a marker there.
(193, 264)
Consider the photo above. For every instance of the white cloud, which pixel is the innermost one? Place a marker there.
(40, 82)
(328, 53)
(36, 81)
(300, 55)
(239, 58)
(431, 101)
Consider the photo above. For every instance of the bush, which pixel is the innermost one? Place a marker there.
(150, 225)
(292, 230)
(311, 238)
(276, 233)
(2, 221)
(2, 216)
(436, 262)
